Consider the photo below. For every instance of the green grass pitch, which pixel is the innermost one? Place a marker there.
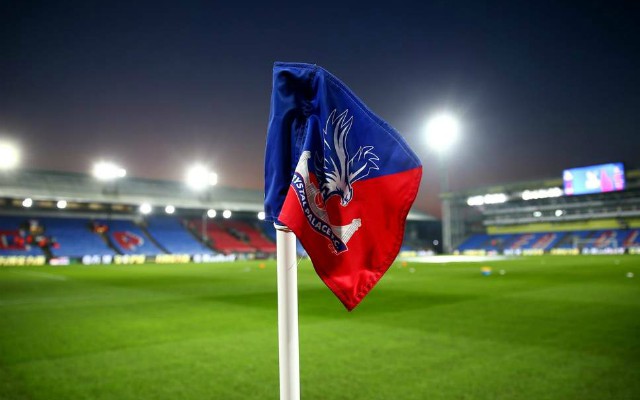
(549, 328)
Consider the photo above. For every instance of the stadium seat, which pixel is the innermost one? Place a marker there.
(546, 241)
(253, 236)
(10, 238)
(128, 238)
(75, 237)
(220, 239)
(631, 238)
(174, 237)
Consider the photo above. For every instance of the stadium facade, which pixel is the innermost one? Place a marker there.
(545, 216)
(60, 218)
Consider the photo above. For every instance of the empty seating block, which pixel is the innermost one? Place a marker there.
(12, 241)
(221, 240)
(173, 236)
(128, 238)
(602, 239)
(253, 236)
(474, 242)
(75, 237)
(631, 238)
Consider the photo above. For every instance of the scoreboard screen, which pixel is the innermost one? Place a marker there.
(594, 179)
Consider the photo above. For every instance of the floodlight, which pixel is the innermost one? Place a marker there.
(226, 214)
(169, 209)
(442, 131)
(537, 214)
(28, 202)
(495, 198)
(199, 177)
(559, 213)
(542, 193)
(9, 156)
(211, 213)
(107, 171)
(492, 198)
(261, 215)
(145, 208)
(475, 201)
(61, 204)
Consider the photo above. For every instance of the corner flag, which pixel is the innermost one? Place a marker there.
(339, 177)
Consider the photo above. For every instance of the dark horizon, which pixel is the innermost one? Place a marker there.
(157, 86)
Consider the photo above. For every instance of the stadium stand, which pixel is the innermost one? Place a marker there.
(174, 237)
(547, 241)
(474, 242)
(13, 238)
(85, 220)
(570, 240)
(253, 236)
(544, 217)
(632, 239)
(128, 238)
(221, 240)
(74, 237)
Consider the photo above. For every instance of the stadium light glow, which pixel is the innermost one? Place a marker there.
(493, 198)
(199, 177)
(261, 215)
(226, 214)
(145, 208)
(61, 204)
(9, 156)
(107, 171)
(211, 213)
(537, 214)
(169, 209)
(559, 213)
(542, 193)
(442, 132)
(475, 201)
(26, 203)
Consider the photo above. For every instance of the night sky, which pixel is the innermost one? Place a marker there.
(157, 85)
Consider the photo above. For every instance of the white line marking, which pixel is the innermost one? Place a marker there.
(41, 275)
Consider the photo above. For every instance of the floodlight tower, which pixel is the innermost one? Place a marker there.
(442, 132)
(200, 179)
(108, 173)
(9, 156)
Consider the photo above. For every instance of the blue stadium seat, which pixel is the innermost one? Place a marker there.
(173, 236)
(474, 242)
(128, 238)
(75, 237)
(12, 224)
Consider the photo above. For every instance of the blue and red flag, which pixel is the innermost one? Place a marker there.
(338, 176)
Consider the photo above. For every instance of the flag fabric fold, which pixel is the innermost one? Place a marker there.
(338, 176)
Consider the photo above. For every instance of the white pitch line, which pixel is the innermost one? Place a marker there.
(454, 259)
(42, 275)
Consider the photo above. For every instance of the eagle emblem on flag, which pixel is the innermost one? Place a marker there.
(336, 171)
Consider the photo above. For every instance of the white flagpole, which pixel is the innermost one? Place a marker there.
(288, 314)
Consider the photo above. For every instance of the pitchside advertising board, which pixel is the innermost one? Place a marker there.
(131, 259)
(120, 259)
(12, 261)
(600, 178)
